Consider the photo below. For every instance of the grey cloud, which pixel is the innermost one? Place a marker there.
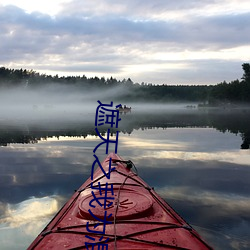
(209, 71)
(217, 31)
(133, 8)
(85, 68)
(220, 31)
(98, 40)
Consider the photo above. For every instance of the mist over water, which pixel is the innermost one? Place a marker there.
(44, 103)
(61, 102)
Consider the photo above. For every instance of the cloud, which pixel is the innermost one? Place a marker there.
(92, 37)
(26, 220)
(229, 204)
(29, 210)
(143, 9)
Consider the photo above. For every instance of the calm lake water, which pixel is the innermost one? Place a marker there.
(197, 160)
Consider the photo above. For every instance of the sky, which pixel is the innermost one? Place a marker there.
(159, 41)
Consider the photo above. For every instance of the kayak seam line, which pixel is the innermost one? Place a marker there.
(121, 222)
(129, 236)
(124, 236)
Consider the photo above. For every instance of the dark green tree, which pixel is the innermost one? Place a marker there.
(246, 69)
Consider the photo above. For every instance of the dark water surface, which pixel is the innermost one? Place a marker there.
(193, 158)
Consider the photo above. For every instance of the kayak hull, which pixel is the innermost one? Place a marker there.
(133, 215)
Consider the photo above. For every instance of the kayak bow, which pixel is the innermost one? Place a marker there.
(140, 218)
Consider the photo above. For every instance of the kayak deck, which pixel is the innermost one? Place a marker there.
(135, 218)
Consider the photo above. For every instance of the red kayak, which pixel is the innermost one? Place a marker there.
(116, 209)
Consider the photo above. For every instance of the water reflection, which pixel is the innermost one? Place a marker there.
(233, 121)
(33, 209)
(19, 222)
(193, 161)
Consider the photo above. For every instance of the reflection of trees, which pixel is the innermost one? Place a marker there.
(17, 138)
(234, 121)
(19, 134)
(246, 141)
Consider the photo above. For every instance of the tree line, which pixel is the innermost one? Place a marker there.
(236, 91)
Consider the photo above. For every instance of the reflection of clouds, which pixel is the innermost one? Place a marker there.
(22, 222)
(29, 212)
(69, 138)
(51, 157)
(45, 168)
(203, 144)
(2, 209)
(222, 219)
(226, 240)
(236, 156)
(183, 139)
(153, 156)
(143, 143)
(228, 203)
